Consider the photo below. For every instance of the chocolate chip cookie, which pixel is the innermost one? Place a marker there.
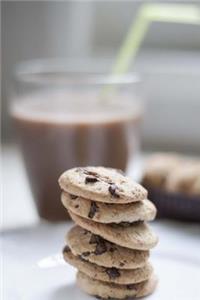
(101, 184)
(97, 250)
(136, 236)
(109, 213)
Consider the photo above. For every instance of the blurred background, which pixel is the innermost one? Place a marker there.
(169, 60)
(169, 65)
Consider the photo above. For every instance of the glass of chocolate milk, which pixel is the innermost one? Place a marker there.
(67, 117)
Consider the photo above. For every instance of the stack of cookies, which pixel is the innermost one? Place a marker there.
(110, 243)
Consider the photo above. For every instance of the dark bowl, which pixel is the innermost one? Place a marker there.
(175, 205)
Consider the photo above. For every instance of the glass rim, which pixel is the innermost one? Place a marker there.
(71, 72)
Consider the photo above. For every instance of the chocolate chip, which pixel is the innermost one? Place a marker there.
(73, 196)
(113, 273)
(95, 239)
(130, 286)
(112, 249)
(76, 206)
(100, 248)
(90, 179)
(66, 249)
(112, 190)
(100, 244)
(86, 253)
(85, 231)
(93, 209)
(121, 264)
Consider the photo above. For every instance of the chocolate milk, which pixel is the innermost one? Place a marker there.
(69, 132)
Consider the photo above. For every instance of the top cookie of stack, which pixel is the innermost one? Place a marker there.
(101, 184)
(111, 211)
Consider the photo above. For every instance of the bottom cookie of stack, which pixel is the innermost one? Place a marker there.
(111, 290)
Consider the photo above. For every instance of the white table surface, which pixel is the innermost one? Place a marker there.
(26, 243)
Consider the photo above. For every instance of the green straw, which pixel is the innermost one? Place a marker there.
(148, 13)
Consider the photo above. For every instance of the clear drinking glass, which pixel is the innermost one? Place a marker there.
(70, 116)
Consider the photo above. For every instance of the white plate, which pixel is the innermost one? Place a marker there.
(32, 273)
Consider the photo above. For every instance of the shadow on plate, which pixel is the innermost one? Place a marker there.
(69, 292)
